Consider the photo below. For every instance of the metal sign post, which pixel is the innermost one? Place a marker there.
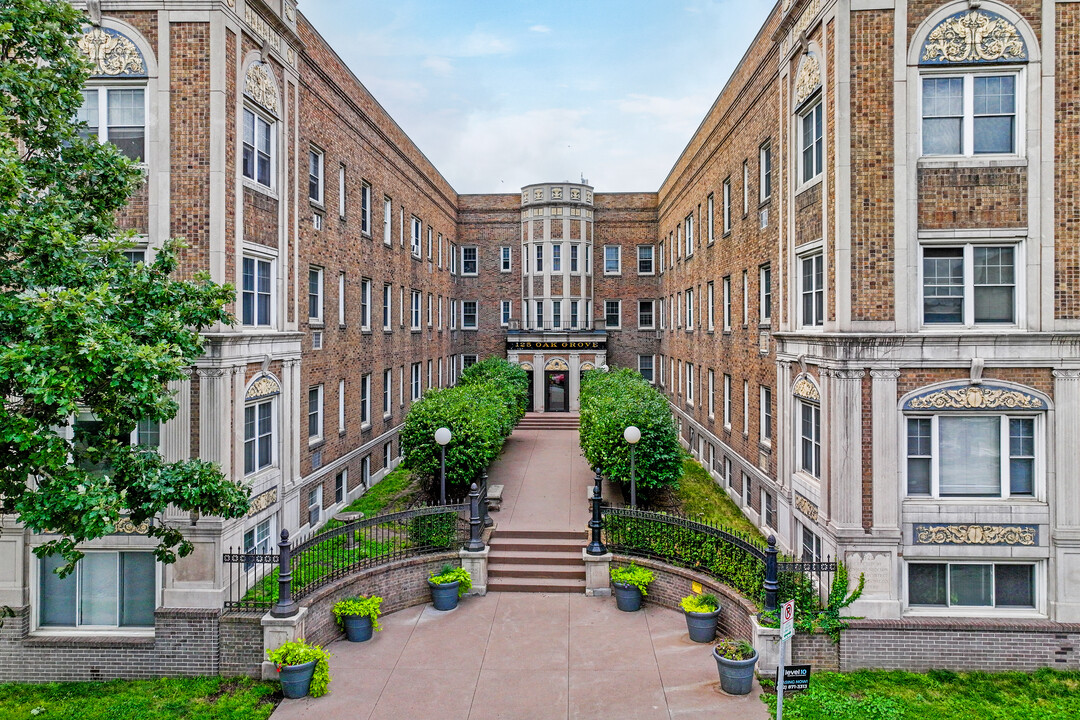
(787, 629)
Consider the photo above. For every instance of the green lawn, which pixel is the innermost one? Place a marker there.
(205, 698)
(701, 498)
(936, 695)
(394, 492)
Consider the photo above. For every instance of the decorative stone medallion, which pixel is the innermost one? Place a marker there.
(973, 36)
(806, 389)
(259, 85)
(112, 53)
(263, 387)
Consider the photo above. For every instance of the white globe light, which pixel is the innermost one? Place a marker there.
(632, 435)
(443, 435)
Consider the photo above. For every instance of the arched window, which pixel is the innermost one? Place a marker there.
(114, 107)
(259, 133)
(260, 424)
(808, 426)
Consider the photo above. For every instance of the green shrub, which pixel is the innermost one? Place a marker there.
(480, 420)
(610, 402)
(634, 575)
(448, 574)
(434, 531)
(359, 606)
(298, 652)
(735, 649)
(506, 377)
(705, 603)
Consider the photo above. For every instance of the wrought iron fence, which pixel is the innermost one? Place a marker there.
(339, 549)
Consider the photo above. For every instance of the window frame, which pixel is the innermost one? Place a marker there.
(968, 248)
(259, 116)
(388, 220)
(42, 572)
(416, 299)
(811, 109)
(255, 293)
(388, 393)
(688, 225)
(608, 314)
(506, 312)
(650, 369)
(765, 171)
(505, 258)
(815, 321)
(466, 262)
(315, 414)
(102, 88)
(711, 218)
(814, 440)
(765, 294)
(416, 386)
(260, 440)
(316, 178)
(651, 310)
(365, 208)
(765, 415)
(465, 314)
(727, 401)
(726, 205)
(316, 273)
(617, 249)
(1037, 587)
(968, 74)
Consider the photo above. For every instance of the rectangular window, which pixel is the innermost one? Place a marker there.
(746, 407)
(365, 399)
(467, 361)
(711, 226)
(988, 585)
(258, 436)
(727, 401)
(971, 456)
(612, 260)
(315, 295)
(969, 285)
(469, 260)
(645, 259)
(387, 219)
(746, 188)
(341, 299)
(341, 405)
(314, 505)
(315, 176)
(387, 313)
(689, 308)
(556, 258)
(453, 314)
(748, 491)
(148, 433)
(613, 313)
(727, 205)
(689, 225)
(365, 208)
(727, 473)
(430, 244)
(573, 258)
(415, 386)
(387, 454)
(969, 114)
(387, 390)
(255, 292)
(769, 505)
(505, 312)
(430, 303)
(415, 298)
(118, 116)
(504, 258)
(765, 172)
(258, 148)
(712, 394)
(429, 377)
(660, 257)
(340, 483)
(645, 314)
(365, 304)
(539, 314)
(810, 142)
(315, 413)
(645, 366)
(810, 438)
(690, 383)
(765, 414)
(812, 290)
(660, 312)
(341, 191)
(106, 590)
(416, 235)
(765, 288)
(710, 310)
(556, 313)
(745, 298)
(440, 312)
(727, 304)
(539, 258)
(468, 314)
(811, 545)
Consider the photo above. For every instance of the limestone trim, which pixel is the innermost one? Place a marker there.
(260, 87)
(807, 79)
(963, 396)
(806, 388)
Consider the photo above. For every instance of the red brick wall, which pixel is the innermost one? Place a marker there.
(1066, 174)
(189, 118)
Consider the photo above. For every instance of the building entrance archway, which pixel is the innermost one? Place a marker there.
(556, 386)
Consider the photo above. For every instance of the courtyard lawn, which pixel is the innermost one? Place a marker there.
(204, 698)
(394, 492)
(935, 695)
(699, 497)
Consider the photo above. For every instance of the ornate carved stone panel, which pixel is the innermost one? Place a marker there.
(806, 389)
(112, 53)
(556, 364)
(259, 85)
(975, 397)
(808, 79)
(973, 36)
(952, 534)
(263, 387)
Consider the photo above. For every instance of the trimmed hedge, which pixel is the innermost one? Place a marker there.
(610, 402)
(480, 411)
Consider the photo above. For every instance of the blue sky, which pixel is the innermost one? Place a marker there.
(503, 94)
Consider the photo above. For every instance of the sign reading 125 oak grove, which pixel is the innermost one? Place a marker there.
(556, 345)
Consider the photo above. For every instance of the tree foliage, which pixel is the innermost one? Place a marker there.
(610, 402)
(506, 377)
(84, 330)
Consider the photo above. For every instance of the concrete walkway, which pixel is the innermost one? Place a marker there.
(526, 656)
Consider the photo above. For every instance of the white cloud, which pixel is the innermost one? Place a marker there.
(439, 65)
(540, 29)
(673, 114)
(480, 44)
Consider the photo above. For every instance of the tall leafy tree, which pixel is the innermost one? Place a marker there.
(83, 331)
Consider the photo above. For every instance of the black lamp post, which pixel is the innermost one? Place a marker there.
(632, 435)
(442, 436)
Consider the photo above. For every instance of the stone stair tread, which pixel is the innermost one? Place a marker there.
(553, 585)
(541, 558)
(540, 534)
(500, 570)
(524, 545)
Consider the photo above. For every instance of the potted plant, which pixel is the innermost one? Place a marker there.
(449, 584)
(735, 660)
(303, 669)
(358, 617)
(702, 613)
(631, 583)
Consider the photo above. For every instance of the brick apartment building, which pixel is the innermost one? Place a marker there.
(859, 286)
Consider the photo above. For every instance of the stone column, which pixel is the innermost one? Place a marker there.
(841, 409)
(1064, 494)
(574, 386)
(476, 563)
(885, 456)
(538, 383)
(215, 411)
(597, 574)
(277, 632)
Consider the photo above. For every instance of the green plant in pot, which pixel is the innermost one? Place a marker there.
(303, 669)
(358, 616)
(631, 585)
(702, 613)
(735, 660)
(447, 585)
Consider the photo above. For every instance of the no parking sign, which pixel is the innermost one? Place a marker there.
(787, 620)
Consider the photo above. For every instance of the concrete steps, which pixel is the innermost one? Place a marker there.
(549, 421)
(540, 561)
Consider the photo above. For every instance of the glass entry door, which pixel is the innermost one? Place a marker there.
(557, 391)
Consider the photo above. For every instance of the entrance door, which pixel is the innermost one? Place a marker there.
(529, 407)
(557, 396)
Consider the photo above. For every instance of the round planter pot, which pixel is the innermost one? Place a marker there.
(627, 597)
(702, 626)
(444, 596)
(357, 628)
(296, 679)
(736, 676)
